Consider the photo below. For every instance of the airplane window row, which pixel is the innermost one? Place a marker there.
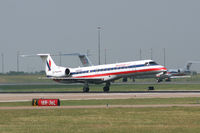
(115, 68)
(105, 69)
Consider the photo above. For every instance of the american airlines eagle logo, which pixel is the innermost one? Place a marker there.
(85, 61)
(49, 65)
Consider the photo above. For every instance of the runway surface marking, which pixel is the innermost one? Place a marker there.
(101, 106)
(89, 96)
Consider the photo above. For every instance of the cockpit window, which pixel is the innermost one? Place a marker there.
(152, 63)
(146, 63)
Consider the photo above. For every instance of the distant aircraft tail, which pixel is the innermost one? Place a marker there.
(85, 60)
(49, 63)
(189, 64)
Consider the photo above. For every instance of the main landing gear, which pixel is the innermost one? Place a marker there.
(159, 80)
(86, 88)
(107, 87)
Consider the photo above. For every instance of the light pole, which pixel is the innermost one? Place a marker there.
(17, 61)
(105, 56)
(99, 35)
(2, 55)
(164, 57)
(88, 52)
(60, 58)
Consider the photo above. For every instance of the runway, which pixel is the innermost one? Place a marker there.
(92, 92)
(89, 96)
(115, 83)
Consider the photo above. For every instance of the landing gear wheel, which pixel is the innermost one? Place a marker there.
(159, 80)
(106, 89)
(168, 80)
(86, 89)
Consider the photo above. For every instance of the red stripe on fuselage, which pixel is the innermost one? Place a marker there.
(118, 73)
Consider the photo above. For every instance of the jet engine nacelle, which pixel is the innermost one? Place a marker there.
(67, 72)
(180, 71)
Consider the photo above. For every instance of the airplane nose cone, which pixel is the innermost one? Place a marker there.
(164, 69)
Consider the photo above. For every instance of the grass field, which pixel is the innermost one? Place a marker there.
(23, 79)
(108, 120)
(104, 120)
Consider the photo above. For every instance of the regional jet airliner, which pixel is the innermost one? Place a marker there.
(100, 73)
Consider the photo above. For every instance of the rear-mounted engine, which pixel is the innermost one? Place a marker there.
(67, 72)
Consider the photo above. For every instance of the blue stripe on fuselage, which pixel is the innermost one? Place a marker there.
(113, 68)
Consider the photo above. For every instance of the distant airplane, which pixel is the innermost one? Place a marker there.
(100, 73)
(179, 73)
(172, 73)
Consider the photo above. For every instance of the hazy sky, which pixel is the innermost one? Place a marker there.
(68, 26)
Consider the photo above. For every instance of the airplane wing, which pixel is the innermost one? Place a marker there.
(177, 77)
(73, 80)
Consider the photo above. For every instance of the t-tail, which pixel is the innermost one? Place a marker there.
(50, 66)
(51, 69)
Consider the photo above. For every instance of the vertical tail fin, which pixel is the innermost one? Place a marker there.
(85, 60)
(49, 63)
(189, 64)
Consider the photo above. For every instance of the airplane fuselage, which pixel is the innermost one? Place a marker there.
(110, 72)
